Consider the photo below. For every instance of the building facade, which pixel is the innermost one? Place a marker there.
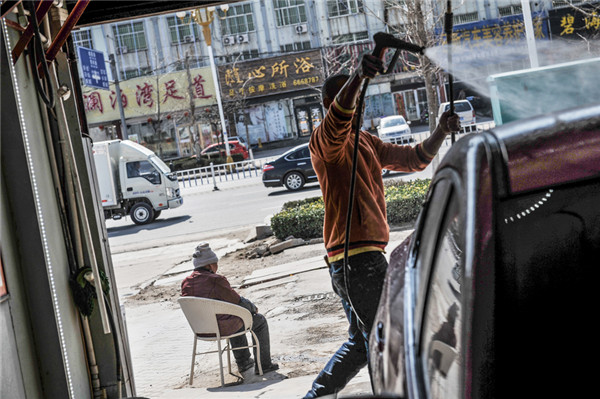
(271, 57)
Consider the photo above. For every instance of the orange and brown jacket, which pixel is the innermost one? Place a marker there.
(331, 147)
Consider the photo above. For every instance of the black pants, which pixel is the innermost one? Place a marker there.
(365, 275)
(261, 329)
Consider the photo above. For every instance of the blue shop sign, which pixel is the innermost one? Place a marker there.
(496, 32)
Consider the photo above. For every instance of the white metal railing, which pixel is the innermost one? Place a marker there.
(214, 174)
(475, 128)
(223, 172)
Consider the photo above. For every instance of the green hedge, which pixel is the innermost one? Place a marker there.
(304, 218)
(404, 201)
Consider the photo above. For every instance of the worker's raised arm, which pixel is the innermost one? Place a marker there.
(368, 67)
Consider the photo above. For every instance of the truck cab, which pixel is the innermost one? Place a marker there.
(134, 181)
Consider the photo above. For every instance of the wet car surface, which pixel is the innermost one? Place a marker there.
(492, 294)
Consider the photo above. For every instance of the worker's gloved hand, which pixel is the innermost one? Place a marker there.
(449, 123)
(369, 66)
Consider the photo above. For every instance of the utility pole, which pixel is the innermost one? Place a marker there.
(529, 34)
(113, 69)
(205, 23)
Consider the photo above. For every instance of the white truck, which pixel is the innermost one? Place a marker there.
(134, 181)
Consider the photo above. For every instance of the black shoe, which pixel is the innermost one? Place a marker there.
(266, 369)
(246, 366)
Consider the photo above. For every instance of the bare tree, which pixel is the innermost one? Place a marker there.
(415, 21)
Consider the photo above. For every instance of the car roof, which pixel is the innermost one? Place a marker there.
(392, 117)
(288, 152)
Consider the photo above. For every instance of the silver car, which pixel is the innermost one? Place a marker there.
(394, 129)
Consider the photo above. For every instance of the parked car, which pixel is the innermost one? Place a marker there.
(394, 129)
(463, 109)
(218, 149)
(293, 169)
(493, 294)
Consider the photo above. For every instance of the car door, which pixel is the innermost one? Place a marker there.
(433, 295)
(303, 163)
(141, 179)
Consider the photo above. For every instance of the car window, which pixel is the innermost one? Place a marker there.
(393, 122)
(143, 169)
(440, 345)
(459, 107)
(303, 153)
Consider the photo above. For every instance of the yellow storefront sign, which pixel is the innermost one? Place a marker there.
(149, 95)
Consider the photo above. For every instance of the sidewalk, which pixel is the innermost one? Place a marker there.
(161, 340)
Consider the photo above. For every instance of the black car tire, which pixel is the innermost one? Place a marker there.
(156, 215)
(141, 213)
(293, 181)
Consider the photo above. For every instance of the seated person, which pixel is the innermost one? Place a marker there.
(205, 283)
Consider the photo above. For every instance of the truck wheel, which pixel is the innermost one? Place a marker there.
(156, 214)
(141, 213)
(294, 181)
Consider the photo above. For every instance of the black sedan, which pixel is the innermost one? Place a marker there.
(293, 169)
(493, 295)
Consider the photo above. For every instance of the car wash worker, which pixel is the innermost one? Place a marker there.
(331, 147)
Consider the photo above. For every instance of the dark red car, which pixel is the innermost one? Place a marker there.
(493, 295)
(218, 149)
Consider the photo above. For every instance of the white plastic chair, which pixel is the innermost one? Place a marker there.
(201, 314)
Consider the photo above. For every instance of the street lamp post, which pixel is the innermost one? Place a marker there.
(205, 22)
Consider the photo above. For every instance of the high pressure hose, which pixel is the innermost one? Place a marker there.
(448, 25)
(382, 42)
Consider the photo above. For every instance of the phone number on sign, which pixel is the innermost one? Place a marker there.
(305, 81)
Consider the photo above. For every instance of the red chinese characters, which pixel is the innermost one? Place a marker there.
(143, 95)
(113, 99)
(93, 102)
(198, 84)
(171, 91)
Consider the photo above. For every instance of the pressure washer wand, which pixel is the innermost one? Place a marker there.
(448, 24)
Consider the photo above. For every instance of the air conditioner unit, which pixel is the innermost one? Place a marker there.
(188, 39)
(228, 40)
(302, 28)
(122, 50)
(242, 38)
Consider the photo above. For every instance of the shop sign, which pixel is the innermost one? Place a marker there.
(486, 37)
(575, 23)
(146, 96)
(270, 76)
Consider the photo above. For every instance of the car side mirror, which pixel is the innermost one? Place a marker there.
(408, 122)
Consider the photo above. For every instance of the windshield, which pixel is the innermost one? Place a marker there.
(459, 107)
(393, 122)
